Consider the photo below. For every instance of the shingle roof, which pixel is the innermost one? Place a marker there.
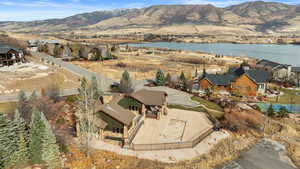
(6, 48)
(150, 97)
(296, 69)
(117, 112)
(259, 76)
(220, 80)
(267, 63)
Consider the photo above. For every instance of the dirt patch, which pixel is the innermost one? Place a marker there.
(33, 75)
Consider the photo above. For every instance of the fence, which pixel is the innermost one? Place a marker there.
(174, 145)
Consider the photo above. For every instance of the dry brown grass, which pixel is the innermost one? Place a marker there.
(226, 150)
(7, 107)
(197, 61)
(64, 79)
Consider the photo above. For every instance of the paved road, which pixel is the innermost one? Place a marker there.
(267, 154)
(104, 82)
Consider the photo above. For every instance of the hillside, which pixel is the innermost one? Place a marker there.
(249, 17)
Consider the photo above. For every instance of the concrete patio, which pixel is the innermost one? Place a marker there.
(177, 126)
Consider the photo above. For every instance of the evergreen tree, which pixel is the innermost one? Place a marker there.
(50, 149)
(36, 134)
(183, 82)
(23, 105)
(8, 142)
(33, 96)
(126, 83)
(20, 156)
(270, 111)
(160, 78)
(283, 112)
(168, 79)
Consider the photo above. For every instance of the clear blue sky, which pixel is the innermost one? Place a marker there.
(26, 10)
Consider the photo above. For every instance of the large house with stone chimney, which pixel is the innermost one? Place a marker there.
(241, 81)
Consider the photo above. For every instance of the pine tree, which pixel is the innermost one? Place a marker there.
(183, 82)
(126, 83)
(33, 96)
(270, 111)
(20, 156)
(50, 149)
(8, 141)
(36, 134)
(168, 79)
(283, 112)
(160, 78)
(23, 106)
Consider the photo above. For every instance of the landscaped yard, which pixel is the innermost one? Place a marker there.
(216, 114)
(289, 97)
(209, 104)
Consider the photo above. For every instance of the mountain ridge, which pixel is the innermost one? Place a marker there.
(255, 16)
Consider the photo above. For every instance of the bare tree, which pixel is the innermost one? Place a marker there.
(86, 113)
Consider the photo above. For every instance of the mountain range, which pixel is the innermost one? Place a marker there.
(246, 18)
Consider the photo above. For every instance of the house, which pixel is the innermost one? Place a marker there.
(242, 81)
(296, 75)
(34, 44)
(279, 71)
(10, 55)
(121, 125)
(151, 104)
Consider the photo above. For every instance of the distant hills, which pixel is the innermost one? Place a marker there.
(246, 18)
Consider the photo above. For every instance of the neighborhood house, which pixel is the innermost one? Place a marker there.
(10, 55)
(278, 71)
(241, 81)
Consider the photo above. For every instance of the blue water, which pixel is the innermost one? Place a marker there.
(295, 108)
(286, 54)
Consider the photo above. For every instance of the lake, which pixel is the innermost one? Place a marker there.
(286, 54)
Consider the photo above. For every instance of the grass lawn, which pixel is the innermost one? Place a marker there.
(8, 107)
(207, 103)
(215, 114)
(288, 97)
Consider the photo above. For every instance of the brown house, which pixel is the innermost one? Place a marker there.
(242, 81)
(10, 55)
(151, 104)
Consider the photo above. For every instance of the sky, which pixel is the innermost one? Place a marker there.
(28, 10)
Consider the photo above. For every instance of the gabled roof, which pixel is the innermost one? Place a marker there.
(259, 76)
(271, 65)
(150, 97)
(296, 69)
(117, 112)
(6, 48)
(220, 80)
(267, 63)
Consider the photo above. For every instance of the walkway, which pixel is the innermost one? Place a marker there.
(168, 156)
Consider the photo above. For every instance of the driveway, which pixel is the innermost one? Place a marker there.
(267, 154)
